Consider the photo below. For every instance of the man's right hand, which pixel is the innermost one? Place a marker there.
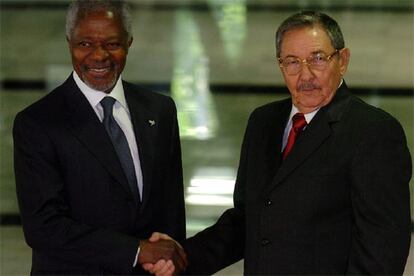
(162, 247)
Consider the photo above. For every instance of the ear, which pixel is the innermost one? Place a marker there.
(278, 65)
(344, 56)
(68, 42)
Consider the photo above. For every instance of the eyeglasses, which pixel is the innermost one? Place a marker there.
(319, 62)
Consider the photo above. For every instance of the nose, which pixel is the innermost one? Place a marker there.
(100, 53)
(306, 73)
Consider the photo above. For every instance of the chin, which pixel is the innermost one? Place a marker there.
(310, 100)
(310, 104)
(101, 86)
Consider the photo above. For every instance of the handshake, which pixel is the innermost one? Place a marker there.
(161, 255)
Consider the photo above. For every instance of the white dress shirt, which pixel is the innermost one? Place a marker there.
(121, 114)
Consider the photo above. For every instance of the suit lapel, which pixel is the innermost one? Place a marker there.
(145, 128)
(273, 146)
(86, 126)
(316, 133)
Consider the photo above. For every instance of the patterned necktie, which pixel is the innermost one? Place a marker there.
(298, 123)
(120, 144)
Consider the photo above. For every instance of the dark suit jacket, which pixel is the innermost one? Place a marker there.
(339, 203)
(77, 209)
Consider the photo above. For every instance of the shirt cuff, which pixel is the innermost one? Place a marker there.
(136, 258)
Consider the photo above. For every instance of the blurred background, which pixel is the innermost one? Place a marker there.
(216, 58)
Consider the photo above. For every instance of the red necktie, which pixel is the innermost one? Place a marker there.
(298, 123)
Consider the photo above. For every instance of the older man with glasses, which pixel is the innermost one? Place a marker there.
(322, 186)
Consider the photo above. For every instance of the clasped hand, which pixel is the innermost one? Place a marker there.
(161, 255)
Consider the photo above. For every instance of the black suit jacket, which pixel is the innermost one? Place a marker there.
(77, 209)
(339, 203)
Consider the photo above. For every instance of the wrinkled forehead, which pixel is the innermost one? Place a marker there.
(305, 40)
(98, 14)
(99, 20)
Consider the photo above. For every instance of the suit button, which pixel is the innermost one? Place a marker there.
(269, 202)
(265, 242)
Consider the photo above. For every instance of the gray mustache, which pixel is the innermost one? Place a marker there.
(307, 86)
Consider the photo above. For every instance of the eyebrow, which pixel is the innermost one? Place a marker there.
(89, 37)
(313, 53)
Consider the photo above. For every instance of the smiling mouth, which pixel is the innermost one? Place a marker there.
(99, 72)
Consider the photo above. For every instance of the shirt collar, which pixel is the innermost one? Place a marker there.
(308, 116)
(95, 96)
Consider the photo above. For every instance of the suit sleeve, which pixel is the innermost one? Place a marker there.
(380, 175)
(47, 224)
(223, 243)
(174, 220)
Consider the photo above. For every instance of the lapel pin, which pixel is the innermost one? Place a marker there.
(151, 122)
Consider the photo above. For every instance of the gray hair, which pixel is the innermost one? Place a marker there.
(80, 8)
(311, 19)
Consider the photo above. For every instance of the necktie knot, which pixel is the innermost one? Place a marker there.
(298, 122)
(107, 105)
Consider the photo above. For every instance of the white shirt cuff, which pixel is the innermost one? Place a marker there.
(136, 258)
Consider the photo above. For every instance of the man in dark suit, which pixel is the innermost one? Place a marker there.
(322, 186)
(98, 160)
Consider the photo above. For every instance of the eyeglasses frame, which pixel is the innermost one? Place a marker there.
(305, 61)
